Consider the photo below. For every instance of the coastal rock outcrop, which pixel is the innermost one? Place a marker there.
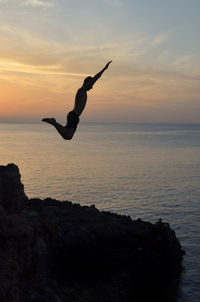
(12, 195)
(53, 251)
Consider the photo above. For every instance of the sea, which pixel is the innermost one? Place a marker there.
(146, 171)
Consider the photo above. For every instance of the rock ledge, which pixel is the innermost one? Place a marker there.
(52, 251)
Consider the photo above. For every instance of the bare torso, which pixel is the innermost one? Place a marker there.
(80, 101)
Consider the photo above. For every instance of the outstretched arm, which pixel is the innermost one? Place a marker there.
(97, 76)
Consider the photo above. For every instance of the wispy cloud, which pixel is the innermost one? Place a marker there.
(159, 39)
(184, 60)
(36, 3)
(27, 48)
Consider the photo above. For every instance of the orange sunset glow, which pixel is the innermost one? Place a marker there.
(44, 62)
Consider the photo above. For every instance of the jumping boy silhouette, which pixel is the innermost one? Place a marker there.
(67, 132)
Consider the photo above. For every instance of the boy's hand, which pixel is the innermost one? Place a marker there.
(108, 64)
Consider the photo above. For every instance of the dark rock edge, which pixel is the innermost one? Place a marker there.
(53, 251)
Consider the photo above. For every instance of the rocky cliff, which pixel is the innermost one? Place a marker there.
(52, 251)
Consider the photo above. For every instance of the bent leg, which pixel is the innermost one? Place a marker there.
(66, 133)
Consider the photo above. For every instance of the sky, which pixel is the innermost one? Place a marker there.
(48, 47)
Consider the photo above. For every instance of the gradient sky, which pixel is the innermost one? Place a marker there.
(49, 46)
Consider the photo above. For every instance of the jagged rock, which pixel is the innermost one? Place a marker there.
(12, 196)
(56, 251)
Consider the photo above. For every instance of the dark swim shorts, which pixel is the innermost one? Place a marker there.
(72, 120)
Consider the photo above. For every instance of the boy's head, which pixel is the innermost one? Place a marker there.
(87, 81)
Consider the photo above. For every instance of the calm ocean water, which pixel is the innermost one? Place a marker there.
(149, 171)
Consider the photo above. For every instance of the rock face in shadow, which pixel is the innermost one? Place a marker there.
(12, 195)
(52, 251)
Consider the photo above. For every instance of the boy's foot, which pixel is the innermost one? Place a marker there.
(50, 121)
